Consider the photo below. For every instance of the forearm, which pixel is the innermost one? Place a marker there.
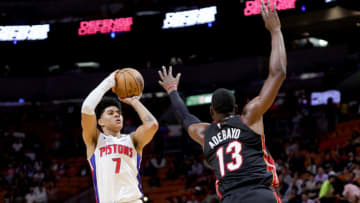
(181, 110)
(93, 99)
(278, 61)
(145, 115)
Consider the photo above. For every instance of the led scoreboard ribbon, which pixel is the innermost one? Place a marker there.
(253, 7)
(24, 32)
(105, 26)
(189, 18)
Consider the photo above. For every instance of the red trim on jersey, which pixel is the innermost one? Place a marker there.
(217, 183)
(241, 119)
(270, 163)
(278, 199)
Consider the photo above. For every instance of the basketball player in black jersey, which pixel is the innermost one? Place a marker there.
(234, 145)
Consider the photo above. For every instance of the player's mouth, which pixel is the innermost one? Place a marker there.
(118, 120)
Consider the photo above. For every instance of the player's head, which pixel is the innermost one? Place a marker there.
(222, 104)
(109, 115)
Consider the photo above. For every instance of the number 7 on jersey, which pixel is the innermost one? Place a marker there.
(118, 163)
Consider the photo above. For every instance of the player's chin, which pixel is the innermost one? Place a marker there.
(119, 125)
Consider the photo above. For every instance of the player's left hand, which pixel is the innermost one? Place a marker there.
(168, 81)
(130, 100)
(270, 17)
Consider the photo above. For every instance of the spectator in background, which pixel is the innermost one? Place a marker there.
(18, 145)
(30, 196)
(283, 186)
(8, 197)
(40, 194)
(327, 190)
(351, 193)
(356, 170)
(211, 196)
(310, 184)
(311, 166)
(11, 174)
(197, 168)
(292, 147)
(293, 196)
(193, 199)
(350, 159)
(321, 176)
(328, 161)
(18, 195)
(158, 161)
(38, 176)
(305, 198)
(52, 192)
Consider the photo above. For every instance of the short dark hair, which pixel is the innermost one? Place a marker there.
(100, 108)
(223, 101)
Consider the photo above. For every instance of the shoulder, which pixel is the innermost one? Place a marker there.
(200, 127)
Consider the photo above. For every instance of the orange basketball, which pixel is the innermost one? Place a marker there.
(129, 83)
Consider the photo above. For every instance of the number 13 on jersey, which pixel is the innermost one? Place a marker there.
(234, 148)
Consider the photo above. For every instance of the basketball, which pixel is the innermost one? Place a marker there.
(129, 83)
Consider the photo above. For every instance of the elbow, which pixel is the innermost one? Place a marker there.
(280, 73)
(153, 126)
(87, 109)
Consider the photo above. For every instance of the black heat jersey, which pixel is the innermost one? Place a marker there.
(238, 156)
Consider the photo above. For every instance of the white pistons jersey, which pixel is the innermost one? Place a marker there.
(115, 168)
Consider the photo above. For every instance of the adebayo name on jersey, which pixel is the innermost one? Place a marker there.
(223, 135)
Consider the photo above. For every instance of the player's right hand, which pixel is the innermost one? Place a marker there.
(130, 100)
(168, 81)
(112, 80)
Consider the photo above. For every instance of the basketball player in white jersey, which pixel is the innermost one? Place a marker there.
(114, 158)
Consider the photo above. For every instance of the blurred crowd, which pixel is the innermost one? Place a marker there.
(319, 160)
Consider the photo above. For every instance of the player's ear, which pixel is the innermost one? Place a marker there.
(100, 122)
(236, 109)
(212, 111)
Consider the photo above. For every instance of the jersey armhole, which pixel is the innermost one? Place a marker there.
(249, 127)
(133, 142)
(96, 144)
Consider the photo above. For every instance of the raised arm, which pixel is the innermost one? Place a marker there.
(194, 127)
(145, 132)
(88, 118)
(255, 109)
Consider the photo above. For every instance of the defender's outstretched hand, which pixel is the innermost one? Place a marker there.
(168, 81)
(270, 17)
